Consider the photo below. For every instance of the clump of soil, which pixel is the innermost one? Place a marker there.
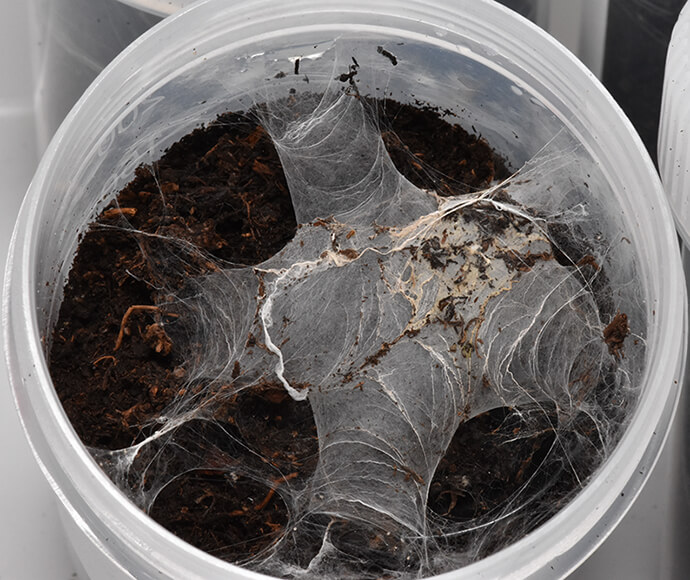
(615, 334)
(116, 367)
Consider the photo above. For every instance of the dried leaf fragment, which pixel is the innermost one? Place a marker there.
(156, 338)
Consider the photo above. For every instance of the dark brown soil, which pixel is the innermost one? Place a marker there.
(116, 367)
(222, 189)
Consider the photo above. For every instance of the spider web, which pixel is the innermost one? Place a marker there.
(397, 316)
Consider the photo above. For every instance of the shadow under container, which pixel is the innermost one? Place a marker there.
(498, 73)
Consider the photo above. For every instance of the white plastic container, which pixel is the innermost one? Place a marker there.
(674, 166)
(674, 126)
(514, 83)
(158, 7)
(72, 41)
(580, 25)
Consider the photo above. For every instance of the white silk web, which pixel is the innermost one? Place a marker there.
(397, 316)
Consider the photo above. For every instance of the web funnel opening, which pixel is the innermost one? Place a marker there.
(393, 317)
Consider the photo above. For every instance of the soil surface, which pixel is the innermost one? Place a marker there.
(115, 365)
